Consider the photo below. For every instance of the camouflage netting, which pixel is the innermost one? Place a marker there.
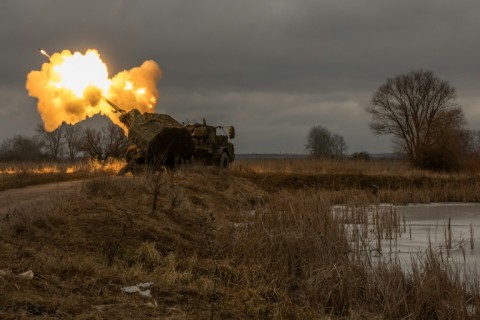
(159, 136)
(170, 142)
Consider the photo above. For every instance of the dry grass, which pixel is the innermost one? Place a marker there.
(374, 167)
(220, 245)
(350, 181)
(301, 257)
(14, 175)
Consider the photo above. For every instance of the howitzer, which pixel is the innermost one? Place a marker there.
(115, 107)
(158, 139)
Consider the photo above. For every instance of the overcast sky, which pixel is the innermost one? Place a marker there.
(273, 69)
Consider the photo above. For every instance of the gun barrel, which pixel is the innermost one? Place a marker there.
(114, 106)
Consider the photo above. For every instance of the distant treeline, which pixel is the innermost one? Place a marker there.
(67, 142)
(356, 155)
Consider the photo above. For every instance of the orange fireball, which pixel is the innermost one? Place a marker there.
(70, 87)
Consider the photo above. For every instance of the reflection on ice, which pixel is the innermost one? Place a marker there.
(400, 233)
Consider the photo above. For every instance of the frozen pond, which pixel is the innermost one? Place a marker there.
(450, 228)
(402, 232)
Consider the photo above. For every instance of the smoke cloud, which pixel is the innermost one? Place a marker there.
(71, 87)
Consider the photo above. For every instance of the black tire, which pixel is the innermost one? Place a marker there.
(131, 153)
(174, 162)
(179, 162)
(224, 160)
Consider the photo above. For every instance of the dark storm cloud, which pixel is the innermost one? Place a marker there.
(272, 68)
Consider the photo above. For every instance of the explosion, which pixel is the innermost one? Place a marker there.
(71, 87)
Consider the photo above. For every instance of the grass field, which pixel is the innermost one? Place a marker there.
(13, 175)
(256, 242)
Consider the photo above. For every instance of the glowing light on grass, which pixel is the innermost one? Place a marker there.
(8, 171)
(71, 170)
(46, 170)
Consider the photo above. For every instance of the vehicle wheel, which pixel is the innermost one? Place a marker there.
(174, 163)
(131, 153)
(224, 160)
(179, 162)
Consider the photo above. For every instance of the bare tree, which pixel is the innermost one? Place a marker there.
(421, 112)
(21, 148)
(472, 143)
(114, 140)
(322, 143)
(91, 143)
(319, 141)
(338, 146)
(52, 141)
(72, 139)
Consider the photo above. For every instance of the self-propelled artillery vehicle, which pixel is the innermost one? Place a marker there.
(159, 140)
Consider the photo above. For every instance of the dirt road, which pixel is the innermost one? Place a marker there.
(29, 196)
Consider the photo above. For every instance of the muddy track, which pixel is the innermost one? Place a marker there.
(18, 198)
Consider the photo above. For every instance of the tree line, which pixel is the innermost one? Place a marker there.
(421, 113)
(324, 144)
(67, 142)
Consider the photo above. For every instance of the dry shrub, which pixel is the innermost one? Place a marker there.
(282, 248)
(98, 186)
(107, 186)
(147, 255)
(433, 290)
(171, 272)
